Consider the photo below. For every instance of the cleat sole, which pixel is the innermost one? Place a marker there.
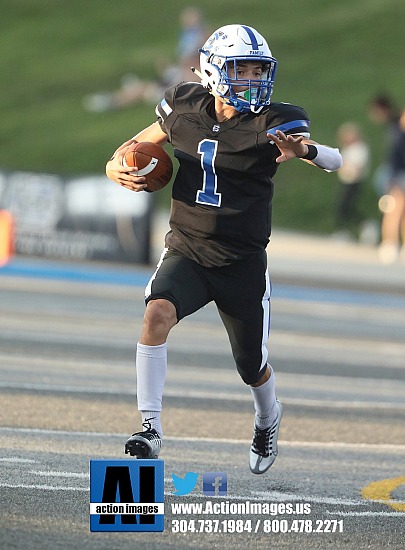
(139, 450)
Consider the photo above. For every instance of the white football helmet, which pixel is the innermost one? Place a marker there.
(222, 51)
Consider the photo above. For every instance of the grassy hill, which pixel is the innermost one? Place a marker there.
(333, 56)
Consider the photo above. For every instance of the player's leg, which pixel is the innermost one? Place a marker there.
(391, 227)
(174, 291)
(151, 366)
(245, 312)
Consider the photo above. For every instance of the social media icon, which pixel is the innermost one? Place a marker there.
(215, 484)
(184, 485)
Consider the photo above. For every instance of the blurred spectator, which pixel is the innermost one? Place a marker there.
(392, 202)
(133, 90)
(356, 155)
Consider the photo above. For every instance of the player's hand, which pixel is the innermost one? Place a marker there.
(117, 172)
(289, 146)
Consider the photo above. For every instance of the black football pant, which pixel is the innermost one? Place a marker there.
(241, 292)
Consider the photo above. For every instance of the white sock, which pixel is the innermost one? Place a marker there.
(151, 419)
(151, 367)
(264, 398)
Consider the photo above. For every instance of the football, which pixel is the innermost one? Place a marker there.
(152, 162)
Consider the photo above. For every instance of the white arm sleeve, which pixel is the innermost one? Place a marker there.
(327, 158)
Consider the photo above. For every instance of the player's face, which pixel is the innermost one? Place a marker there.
(247, 70)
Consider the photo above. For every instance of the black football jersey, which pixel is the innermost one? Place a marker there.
(222, 193)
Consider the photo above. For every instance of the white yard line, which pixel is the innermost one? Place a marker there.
(220, 441)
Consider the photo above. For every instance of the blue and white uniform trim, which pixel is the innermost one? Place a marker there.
(165, 108)
(294, 127)
(266, 319)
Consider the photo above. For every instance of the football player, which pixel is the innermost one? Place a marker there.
(229, 139)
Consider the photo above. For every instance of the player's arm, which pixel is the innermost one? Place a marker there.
(296, 146)
(118, 173)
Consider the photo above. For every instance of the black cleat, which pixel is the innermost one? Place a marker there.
(146, 444)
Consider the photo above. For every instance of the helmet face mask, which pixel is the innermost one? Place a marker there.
(248, 93)
(228, 49)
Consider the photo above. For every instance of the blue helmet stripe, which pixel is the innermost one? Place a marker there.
(294, 124)
(255, 45)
